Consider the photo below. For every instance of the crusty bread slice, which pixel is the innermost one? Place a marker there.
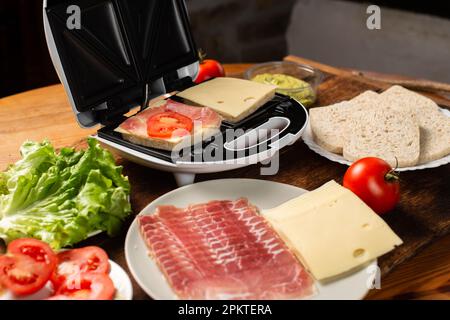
(387, 134)
(328, 125)
(434, 126)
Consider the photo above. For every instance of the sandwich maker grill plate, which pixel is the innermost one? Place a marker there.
(128, 52)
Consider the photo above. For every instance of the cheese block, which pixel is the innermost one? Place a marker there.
(332, 231)
(234, 99)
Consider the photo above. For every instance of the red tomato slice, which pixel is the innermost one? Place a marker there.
(37, 250)
(85, 260)
(169, 124)
(23, 275)
(86, 286)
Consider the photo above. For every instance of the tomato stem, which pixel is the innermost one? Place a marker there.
(391, 176)
(201, 55)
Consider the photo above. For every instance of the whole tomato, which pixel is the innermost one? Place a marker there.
(208, 69)
(375, 182)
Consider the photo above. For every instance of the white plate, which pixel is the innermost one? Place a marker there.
(265, 195)
(308, 139)
(121, 280)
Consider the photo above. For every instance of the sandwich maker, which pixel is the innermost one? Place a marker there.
(125, 53)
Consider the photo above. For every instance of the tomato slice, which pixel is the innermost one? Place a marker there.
(37, 250)
(86, 286)
(169, 124)
(22, 275)
(85, 260)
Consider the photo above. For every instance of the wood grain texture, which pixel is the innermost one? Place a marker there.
(422, 216)
(37, 115)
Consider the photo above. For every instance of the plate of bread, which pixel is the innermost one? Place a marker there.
(407, 129)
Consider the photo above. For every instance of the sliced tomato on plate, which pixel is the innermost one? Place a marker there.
(169, 124)
(85, 260)
(22, 275)
(86, 286)
(37, 250)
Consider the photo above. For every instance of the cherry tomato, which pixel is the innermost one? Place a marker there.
(85, 260)
(209, 69)
(168, 124)
(86, 286)
(22, 275)
(38, 250)
(375, 182)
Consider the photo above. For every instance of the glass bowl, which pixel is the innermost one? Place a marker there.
(303, 91)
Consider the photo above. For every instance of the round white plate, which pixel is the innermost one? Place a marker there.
(121, 280)
(309, 140)
(265, 195)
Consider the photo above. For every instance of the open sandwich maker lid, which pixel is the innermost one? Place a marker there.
(123, 53)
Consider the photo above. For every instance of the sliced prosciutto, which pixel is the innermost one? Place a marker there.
(223, 250)
(156, 126)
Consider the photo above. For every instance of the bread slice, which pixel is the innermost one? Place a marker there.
(206, 123)
(340, 128)
(434, 136)
(328, 125)
(368, 98)
(387, 134)
(399, 98)
(170, 144)
(234, 99)
(434, 126)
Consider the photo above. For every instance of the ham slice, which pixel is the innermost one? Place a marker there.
(223, 250)
(206, 123)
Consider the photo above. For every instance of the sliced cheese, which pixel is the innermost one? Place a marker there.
(234, 99)
(304, 203)
(332, 231)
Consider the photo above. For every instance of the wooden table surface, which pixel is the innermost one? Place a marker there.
(46, 113)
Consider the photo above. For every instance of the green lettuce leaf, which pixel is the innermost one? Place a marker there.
(62, 198)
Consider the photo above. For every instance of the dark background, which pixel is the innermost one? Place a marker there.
(258, 26)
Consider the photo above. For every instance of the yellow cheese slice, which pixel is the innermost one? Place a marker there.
(332, 231)
(234, 99)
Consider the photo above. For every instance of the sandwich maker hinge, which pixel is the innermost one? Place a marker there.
(173, 82)
(146, 99)
(113, 110)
